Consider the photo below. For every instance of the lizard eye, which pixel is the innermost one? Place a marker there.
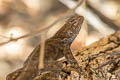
(69, 33)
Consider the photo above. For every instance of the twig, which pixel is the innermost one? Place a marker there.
(109, 62)
(115, 53)
(43, 36)
(4, 37)
(42, 50)
(92, 18)
(67, 15)
(103, 17)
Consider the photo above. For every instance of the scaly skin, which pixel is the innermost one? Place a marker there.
(55, 48)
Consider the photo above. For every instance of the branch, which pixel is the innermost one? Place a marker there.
(92, 18)
(66, 15)
(98, 61)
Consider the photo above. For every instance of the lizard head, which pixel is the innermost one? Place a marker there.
(70, 29)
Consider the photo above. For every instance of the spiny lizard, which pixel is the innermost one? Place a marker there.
(56, 47)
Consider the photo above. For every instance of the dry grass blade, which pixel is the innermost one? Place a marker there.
(42, 49)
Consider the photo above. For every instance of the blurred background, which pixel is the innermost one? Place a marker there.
(20, 17)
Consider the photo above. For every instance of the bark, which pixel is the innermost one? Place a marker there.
(98, 61)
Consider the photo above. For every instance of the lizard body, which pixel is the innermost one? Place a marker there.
(55, 47)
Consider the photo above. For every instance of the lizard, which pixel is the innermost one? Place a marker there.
(55, 48)
(98, 61)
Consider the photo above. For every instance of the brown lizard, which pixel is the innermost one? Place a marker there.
(98, 61)
(56, 47)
